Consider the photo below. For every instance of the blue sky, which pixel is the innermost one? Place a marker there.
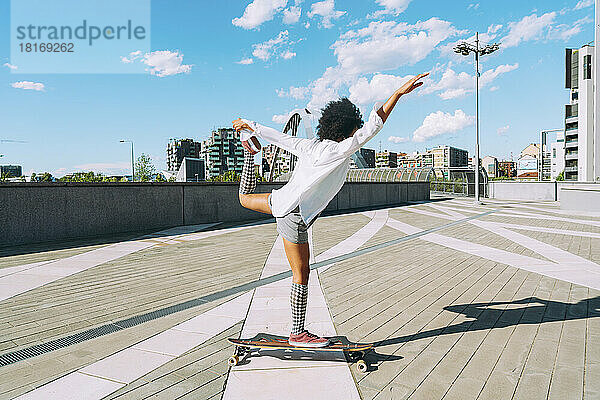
(210, 62)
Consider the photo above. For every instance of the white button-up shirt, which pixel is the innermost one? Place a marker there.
(321, 169)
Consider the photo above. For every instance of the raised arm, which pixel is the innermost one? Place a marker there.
(294, 145)
(413, 83)
(377, 118)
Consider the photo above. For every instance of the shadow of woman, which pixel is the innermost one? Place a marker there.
(493, 315)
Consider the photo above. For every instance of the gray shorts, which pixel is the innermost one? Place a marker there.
(292, 227)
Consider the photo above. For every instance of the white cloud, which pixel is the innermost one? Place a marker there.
(583, 4)
(134, 55)
(165, 63)
(529, 28)
(454, 85)
(395, 7)
(161, 63)
(379, 88)
(286, 55)
(439, 123)
(502, 131)
(245, 61)
(265, 50)
(58, 172)
(566, 31)
(491, 74)
(397, 139)
(281, 119)
(258, 12)
(298, 93)
(326, 10)
(325, 89)
(494, 88)
(292, 15)
(10, 66)
(386, 45)
(473, 6)
(381, 46)
(27, 85)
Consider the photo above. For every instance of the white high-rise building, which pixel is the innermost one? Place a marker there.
(557, 156)
(580, 149)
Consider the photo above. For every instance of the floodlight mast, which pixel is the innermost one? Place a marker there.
(466, 49)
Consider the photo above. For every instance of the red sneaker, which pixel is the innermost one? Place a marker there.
(306, 339)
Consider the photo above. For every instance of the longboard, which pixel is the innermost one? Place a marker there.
(355, 351)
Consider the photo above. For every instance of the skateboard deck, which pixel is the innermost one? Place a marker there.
(355, 351)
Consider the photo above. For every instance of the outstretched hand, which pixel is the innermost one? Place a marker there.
(412, 84)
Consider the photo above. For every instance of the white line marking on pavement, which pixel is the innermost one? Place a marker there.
(104, 377)
(13, 270)
(519, 226)
(318, 376)
(379, 218)
(578, 270)
(33, 276)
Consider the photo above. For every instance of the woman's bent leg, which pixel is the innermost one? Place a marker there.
(257, 202)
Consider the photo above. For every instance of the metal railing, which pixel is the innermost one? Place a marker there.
(457, 181)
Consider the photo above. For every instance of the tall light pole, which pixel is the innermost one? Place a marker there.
(466, 49)
(132, 168)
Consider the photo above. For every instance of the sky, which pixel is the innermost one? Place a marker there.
(209, 62)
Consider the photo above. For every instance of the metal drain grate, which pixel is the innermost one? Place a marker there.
(39, 349)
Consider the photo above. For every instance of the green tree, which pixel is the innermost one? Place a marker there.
(82, 177)
(45, 177)
(561, 176)
(144, 169)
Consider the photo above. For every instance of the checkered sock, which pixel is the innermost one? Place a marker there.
(248, 180)
(298, 299)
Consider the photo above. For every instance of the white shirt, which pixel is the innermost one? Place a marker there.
(321, 169)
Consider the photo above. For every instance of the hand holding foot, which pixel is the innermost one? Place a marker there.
(250, 143)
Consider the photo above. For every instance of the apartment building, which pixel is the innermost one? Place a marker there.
(581, 144)
(178, 149)
(222, 152)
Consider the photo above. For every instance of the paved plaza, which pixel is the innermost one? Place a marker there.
(497, 301)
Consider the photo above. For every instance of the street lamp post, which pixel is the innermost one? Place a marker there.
(466, 49)
(132, 167)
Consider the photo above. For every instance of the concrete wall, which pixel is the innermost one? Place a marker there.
(40, 212)
(550, 191)
(522, 190)
(580, 198)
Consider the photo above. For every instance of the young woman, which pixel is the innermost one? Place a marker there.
(321, 170)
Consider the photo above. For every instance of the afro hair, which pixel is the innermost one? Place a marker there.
(338, 120)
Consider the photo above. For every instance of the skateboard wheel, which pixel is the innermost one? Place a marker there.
(233, 361)
(361, 365)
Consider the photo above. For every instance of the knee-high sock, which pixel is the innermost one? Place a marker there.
(298, 300)
(248, 179)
